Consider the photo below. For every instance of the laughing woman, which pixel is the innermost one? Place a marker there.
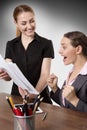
(31, 52)
(73, 94)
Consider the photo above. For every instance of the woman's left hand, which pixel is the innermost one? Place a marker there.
(24, 92)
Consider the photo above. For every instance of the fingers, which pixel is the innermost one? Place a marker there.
(67, 91)
(3, 74)
(23, 92)
(70, 95)
(68, 87)
(52, 82)
(51, 78)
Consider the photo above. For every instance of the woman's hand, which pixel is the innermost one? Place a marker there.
(4, 75)
(69, 94)
(52, 82)
(24, 92)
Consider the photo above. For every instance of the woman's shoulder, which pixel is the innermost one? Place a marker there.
(16, 39)
(41, 38)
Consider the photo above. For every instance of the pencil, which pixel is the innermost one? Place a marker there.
(10, 99)
(44, 116)
(7, 98)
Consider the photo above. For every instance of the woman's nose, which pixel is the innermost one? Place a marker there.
(28, 25)
(60, 51)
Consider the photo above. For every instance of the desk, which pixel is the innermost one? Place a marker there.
(57, 118)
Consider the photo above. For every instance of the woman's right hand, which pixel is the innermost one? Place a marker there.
(52, 82)
(4, 75)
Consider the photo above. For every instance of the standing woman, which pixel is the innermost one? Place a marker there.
(31, 52)
(73, 94)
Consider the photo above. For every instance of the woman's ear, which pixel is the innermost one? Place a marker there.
(79, 49)
(15, 23)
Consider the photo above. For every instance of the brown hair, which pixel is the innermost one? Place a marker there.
(20, 9)
(78, 38)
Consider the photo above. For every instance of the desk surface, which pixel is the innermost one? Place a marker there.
(57, 118)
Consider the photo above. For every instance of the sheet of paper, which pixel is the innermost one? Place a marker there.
(17, 76)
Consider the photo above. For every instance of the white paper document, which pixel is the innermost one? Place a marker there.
(17, 76)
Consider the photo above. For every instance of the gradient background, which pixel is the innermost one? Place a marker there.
(53, 18)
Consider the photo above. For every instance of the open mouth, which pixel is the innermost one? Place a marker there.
(64, 58)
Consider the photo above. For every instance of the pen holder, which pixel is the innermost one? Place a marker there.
(24, 122)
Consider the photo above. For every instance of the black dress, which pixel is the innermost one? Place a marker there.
(30, 60)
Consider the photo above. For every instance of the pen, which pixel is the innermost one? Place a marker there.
(36, 100)
(35, 107)
(44, 116)
(25, 106)
(37, 104)
(25, 109)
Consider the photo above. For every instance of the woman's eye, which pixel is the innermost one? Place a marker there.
(32, 21)
(64, 48)
(23, 23)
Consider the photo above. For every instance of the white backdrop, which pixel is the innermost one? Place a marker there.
(53, 20)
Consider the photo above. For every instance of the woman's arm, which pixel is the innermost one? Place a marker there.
(42, 82)
(45, 71)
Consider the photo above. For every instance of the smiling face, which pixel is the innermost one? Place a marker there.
(68, 52)
(26, 23)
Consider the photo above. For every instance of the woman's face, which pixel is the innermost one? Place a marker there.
(68, 52)
(26, 23)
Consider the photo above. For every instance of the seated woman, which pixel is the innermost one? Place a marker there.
(73, 93)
